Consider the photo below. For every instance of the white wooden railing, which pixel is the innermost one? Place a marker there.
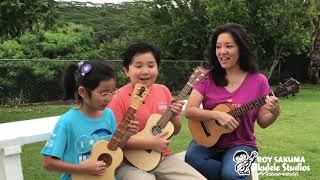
(13, 136)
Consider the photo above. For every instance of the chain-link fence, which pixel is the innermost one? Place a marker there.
(25, 81)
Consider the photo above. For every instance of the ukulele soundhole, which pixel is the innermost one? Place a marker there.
(156, 130)
(106, 158)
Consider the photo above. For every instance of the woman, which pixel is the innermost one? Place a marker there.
(234, 78)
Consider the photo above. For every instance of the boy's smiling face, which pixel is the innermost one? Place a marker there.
(142, 69)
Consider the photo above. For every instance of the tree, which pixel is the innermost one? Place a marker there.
(283, 28)
(223, 11)
(181, 28)
(314, 65)
(277, 27)
(70, 41)
(101, 17)
(134, 24)
(20, 15)
(11, 49)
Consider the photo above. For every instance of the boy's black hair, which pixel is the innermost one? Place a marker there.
(73, 77)
(139, 48)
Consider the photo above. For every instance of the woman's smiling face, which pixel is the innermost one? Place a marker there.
(227, 51)
(143, 69)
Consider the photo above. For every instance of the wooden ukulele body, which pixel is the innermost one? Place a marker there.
(207, 133)
(147, 159)
(101, 153)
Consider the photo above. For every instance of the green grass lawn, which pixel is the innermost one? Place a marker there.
(295, 133)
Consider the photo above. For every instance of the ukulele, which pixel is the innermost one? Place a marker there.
(110, 152)
(207, 133)
(148, 159)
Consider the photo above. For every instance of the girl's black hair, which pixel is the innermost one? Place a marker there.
(139, 48)
(247, 60)
(74, 76)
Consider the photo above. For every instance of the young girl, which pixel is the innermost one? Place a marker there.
(93, 82)
(141, 63)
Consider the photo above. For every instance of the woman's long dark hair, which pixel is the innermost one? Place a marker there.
(247, 61)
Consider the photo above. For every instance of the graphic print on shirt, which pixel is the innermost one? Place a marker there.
(234, 105)
(50, 141)
(84, 143)
(160, 107)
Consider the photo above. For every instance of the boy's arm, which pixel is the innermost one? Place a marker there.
(157, 143)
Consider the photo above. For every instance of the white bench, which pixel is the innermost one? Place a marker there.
(13, 136)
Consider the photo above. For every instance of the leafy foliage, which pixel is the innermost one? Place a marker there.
(103, 19)
(68, 42)
(27, 81)
(181, 28)
(11, 49)
(221, 12)
(278, 30)
(20, 15)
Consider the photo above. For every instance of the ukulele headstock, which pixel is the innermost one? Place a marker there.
(198, 74)
(140, 92)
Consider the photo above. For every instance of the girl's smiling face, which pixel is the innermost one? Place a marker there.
(100, 96)
(143, 69)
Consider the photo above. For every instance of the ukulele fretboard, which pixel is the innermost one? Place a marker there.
(248, 107)
(165, 118)
(118, 139)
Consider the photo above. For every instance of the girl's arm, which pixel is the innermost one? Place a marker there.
(53, 164)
